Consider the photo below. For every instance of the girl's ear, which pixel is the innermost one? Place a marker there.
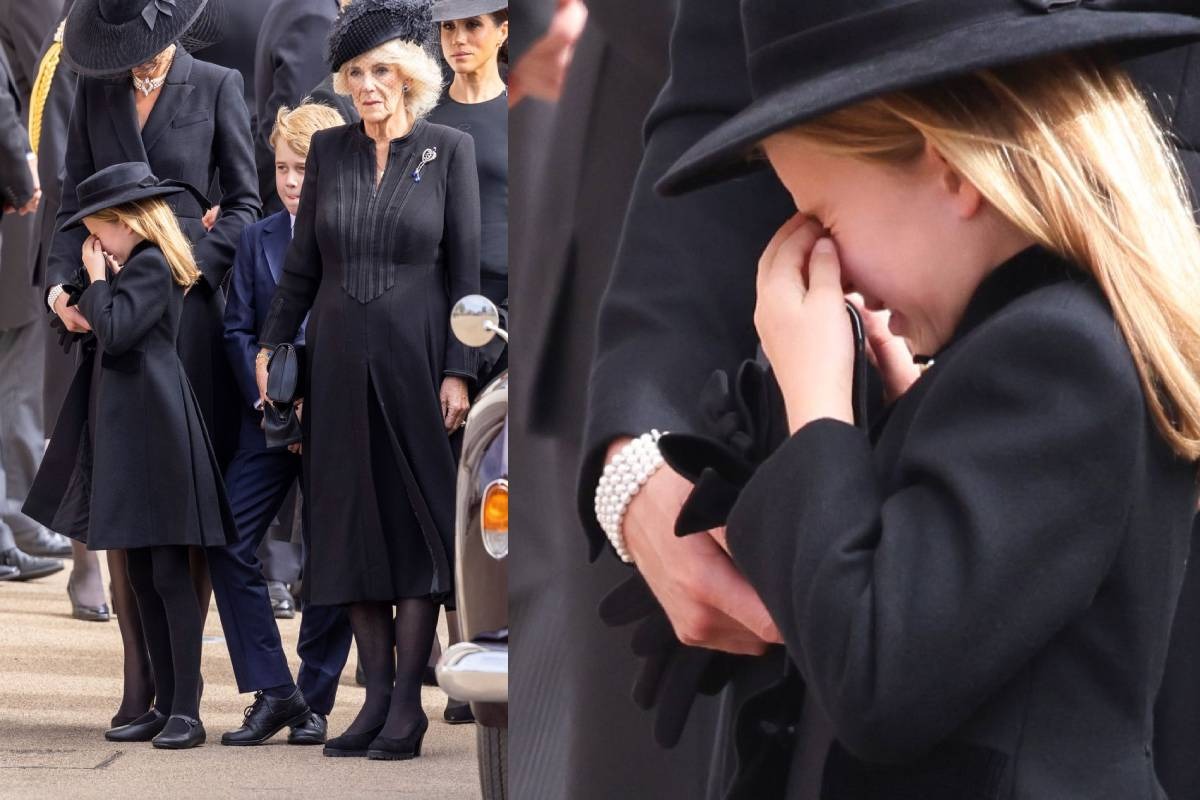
(964, 198)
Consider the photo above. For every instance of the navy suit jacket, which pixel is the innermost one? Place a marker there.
(256, 269)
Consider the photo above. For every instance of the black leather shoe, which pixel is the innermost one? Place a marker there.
(311, 731)
(180, 733)
(282, 604)
(142, 729)
(351, 744)
(29, 567)
(402, 749)
(8, 573)
(457, 713)
(43, 542)
(267, 716)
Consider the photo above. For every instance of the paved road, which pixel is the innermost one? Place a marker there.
(60, 682)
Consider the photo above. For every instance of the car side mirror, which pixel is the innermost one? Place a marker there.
(475, 320)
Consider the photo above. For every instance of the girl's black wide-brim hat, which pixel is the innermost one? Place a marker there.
(809, 58)
(366, 24)
(109, 37)
(120, 184)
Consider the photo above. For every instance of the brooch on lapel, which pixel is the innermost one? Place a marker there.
(429, 155)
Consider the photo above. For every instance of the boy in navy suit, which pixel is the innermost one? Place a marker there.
(258, 480)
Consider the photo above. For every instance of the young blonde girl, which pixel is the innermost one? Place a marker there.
(130, 465)
(978, 593)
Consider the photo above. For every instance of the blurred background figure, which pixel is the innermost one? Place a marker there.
(27, 549)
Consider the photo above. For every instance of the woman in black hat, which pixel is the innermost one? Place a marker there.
(386, 238)
(142, 97)
(978, 593)
(130, 466)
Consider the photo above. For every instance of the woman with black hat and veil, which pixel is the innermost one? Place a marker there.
(143, 97)
(130, 467)
(976, 594)
(386, 238)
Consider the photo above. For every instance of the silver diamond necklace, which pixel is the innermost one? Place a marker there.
(148, 85)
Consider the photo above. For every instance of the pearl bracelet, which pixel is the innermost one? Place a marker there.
(622, 479)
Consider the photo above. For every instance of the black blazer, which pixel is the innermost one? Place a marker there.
(289, 60)
(199, 130)
(980, 595)
(143, 472)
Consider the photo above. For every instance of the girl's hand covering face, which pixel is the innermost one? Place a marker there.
(94, 258)
(803, 325)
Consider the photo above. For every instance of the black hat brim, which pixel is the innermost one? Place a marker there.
(724, 152)
(96, 48)
(464, 9)
(132, 195)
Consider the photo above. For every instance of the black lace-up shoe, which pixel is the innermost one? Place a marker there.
(313, 730)
(266, 717)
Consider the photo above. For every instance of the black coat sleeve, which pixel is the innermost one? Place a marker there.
(233, 154)
(297, 64)
(121, 316)
(302, 268)
(78, 165)
(680, 303)
(460, 244)
(907, 607)
(16, 177)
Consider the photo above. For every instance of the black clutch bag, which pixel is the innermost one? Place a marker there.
(280, 420)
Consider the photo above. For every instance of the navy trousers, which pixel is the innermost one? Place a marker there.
(257, 481)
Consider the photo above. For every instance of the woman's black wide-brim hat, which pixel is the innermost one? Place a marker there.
(809, 58)
(366, 24)
(108, 37)
(119, 184)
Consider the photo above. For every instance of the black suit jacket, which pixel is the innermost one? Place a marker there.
(51, 149)
(199, 131)
(981, 598)
(23, 29)
(289, 60)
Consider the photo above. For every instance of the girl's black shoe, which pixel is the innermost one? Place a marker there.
(180, 733)
(402, 749)
(351, 745)
(142, 729)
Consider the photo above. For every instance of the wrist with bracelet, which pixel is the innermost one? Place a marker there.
(623, 477)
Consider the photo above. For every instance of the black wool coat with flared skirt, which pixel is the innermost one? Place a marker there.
(130, 463)
(380, 268)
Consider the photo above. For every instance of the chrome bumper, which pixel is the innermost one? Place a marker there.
(475, 673)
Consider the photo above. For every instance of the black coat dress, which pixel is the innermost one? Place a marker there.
(141, 470)
(380, 269)
(980, 594)
(198, 131)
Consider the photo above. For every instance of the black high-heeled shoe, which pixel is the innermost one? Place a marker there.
(84, 612)
(384, 748)
(142, 729)
(351, 745)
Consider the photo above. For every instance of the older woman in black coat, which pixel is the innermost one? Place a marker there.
(188, 120)
(387, 235)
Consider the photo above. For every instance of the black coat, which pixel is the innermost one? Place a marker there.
(981, 598)
(246, 19)
(142, 472)
(289, 61)
(199, 132)
(380, 270)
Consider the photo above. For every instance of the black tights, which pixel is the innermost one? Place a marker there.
(172, 624)
(393, 653)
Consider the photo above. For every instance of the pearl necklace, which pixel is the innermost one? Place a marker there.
(148, 85)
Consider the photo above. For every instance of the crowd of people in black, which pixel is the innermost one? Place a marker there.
(216, 186)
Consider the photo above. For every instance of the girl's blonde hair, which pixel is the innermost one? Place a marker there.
(154, 221)
(414, 63)
(1069, 152)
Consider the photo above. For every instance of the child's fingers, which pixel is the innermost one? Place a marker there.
(824, 268)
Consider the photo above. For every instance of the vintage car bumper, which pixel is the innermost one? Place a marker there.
(475, 672)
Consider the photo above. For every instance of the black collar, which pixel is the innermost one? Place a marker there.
(1031, 269)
